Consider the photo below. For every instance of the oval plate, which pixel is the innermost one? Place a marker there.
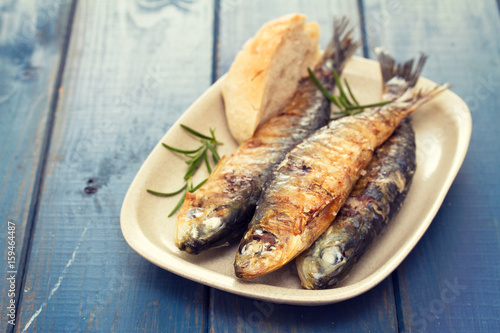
(443, 130)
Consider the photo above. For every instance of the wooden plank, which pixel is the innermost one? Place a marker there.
(133, 67)
(240, 20)
(375, 310)
(450, 281)
(32, 39)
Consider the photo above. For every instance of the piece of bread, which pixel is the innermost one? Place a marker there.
(265, 73)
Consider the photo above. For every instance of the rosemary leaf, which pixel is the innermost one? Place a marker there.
(179, 204)
(345, 102)
(180, 150)
(339, 85)
(189, 184)
(335, 101)
(194, 189)
(209, 169)
(194, 166)
(368, 105)
(163, 194)
(197, 156)
(212, 131)
(319, 85)
(196, 133)
(215, 155)
(350, 92)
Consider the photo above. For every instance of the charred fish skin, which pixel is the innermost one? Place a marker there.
(375, 199)
(307, 189)
(220, 210)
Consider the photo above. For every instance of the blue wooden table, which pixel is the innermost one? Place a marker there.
(87, 88)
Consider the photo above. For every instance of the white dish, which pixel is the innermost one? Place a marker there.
(443, 130)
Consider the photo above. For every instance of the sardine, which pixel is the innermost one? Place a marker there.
(220, 210)
(307, 189)
(375, 199)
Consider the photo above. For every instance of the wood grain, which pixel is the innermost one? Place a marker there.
(32, 38)
(450, 282)
(374, 311)
(240, 20)
(133, 67)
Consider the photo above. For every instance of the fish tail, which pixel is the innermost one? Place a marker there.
(428, 94)
(412, 99)
(398, 77)
(341, 47)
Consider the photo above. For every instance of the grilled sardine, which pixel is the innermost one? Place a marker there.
(221, 209)
(375, 199)
(307, 189)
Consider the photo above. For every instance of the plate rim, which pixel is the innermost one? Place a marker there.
(140, 243)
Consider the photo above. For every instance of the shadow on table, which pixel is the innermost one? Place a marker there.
(374, 311)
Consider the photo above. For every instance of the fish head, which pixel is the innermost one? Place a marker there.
(261, 252)
(200, 227)
(321, 269)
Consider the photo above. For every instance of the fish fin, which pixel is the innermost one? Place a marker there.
(398, 77)
(341, 47)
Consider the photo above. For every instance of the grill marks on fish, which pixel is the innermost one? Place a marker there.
(337, 154)
(232, 190)
(375, 199)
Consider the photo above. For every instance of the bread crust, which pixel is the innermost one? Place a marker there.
(265, 73)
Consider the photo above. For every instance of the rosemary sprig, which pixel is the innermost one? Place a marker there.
(346, 106)
(196, 157)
